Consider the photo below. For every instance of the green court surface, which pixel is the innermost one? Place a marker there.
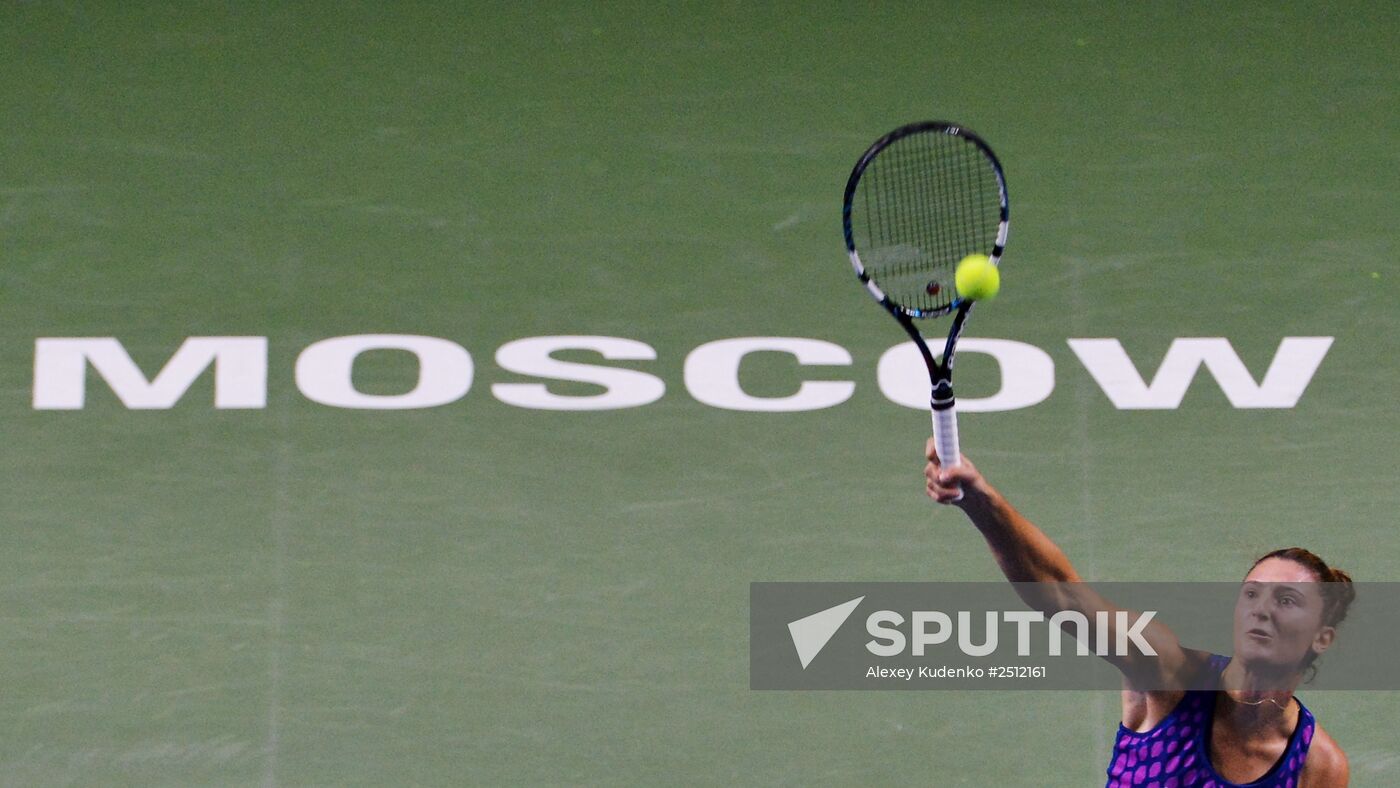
(480, 593)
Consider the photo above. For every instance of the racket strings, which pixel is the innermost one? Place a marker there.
(927, 201)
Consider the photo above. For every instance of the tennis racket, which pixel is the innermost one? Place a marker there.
(919, 200)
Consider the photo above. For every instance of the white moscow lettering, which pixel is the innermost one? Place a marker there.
(1027, 375)
(623, 388)
(60, 367)
(323, 372)
(712, 374)
(1293, 366)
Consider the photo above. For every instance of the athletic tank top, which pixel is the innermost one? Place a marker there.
(1176, 752)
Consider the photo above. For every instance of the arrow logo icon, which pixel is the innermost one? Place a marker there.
(811, 634)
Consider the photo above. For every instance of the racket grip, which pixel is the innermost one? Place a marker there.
(945, 429)
(945, 437)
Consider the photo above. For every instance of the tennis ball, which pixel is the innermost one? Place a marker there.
(977, 279)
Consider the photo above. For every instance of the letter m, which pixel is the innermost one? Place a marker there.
(60, 372)
(1288, 375)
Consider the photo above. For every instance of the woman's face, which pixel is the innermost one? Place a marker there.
(1278, 616)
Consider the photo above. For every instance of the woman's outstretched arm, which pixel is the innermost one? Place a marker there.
(1024, 553)
(1044, 577)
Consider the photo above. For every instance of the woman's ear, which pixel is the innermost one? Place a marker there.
(1323, 640)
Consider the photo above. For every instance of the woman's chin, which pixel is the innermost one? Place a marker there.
(1260, 660)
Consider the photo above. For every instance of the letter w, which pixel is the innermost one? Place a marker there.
(60, 367)
(1288, 375)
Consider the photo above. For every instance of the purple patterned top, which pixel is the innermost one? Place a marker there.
(1176, 753)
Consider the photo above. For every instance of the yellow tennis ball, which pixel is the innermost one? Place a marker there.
(977, 279)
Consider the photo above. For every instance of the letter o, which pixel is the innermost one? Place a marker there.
(323, 372)
(1027, 375)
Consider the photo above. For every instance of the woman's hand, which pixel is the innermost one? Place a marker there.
(946, 484)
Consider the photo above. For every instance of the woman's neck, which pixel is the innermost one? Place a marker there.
(1253, 699)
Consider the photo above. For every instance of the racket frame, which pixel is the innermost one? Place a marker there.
(942, 403)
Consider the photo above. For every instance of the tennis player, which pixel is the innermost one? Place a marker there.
(1250, 732)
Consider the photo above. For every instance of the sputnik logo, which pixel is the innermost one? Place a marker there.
(811, 634)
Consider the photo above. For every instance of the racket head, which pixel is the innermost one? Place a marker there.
(918, 201)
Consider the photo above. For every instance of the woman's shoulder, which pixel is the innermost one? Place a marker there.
(1326, 765)
(1195, 669)
(1145, 709)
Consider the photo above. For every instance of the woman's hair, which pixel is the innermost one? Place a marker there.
(1337, 590)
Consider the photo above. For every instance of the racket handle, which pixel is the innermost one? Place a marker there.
(945, 428)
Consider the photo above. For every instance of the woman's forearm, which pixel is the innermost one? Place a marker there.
(1024, 553)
